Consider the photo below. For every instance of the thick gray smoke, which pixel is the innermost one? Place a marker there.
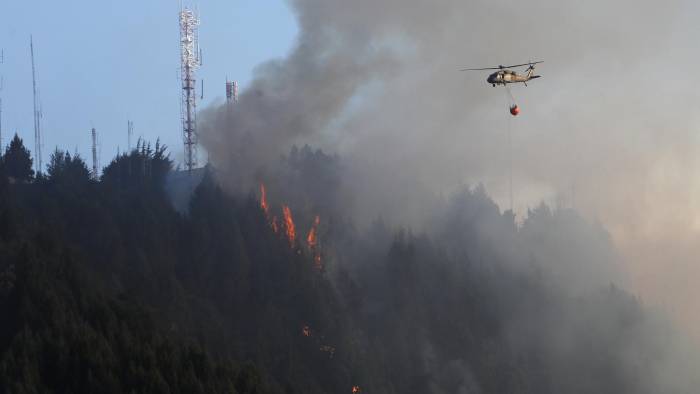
(379, 80)
(376, 81)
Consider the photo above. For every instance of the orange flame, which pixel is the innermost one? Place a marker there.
(289, 225)
(312, 237)
(312, 240)
(275, 224)
(355, 389)
(263, 201)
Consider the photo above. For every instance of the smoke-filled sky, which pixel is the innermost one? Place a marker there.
(609, 129)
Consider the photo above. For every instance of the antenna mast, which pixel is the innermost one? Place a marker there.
(190, 60)
(37, 113)
(129, 134)
(95, 163)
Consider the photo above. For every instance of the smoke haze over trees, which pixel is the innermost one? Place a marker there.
(417, 281)
(376, 83)
(105, 287)
(605, 130)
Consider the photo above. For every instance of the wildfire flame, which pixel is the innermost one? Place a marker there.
(312, 240)
(289, 225)
(263, 200)
(275, 224)
(355, 389)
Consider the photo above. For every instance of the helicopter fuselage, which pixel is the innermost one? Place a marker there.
(503, 77)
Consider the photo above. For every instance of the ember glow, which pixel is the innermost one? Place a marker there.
(274, 222)
(289, 225)
(355, 389)
(312, 238)
(263, 201)
(275, 225)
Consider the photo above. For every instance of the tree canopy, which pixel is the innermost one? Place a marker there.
(17, 161)
(105, 287)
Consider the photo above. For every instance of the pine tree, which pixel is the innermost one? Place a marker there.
(17, 162)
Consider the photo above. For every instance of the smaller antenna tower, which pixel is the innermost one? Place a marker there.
(129, 134)
(95, 163)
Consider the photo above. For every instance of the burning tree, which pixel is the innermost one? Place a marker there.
(312, 241)
(289, 228)
(263, 201)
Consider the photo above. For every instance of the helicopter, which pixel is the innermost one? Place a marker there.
(505, 76)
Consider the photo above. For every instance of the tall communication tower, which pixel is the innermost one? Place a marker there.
(231, 91)
(95, 163)
(190, 60)
(37, 113)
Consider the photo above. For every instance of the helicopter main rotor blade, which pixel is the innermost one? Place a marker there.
(524, 64)
(482, 69)
(501, 67)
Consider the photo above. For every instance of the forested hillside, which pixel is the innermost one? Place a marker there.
(105, 287)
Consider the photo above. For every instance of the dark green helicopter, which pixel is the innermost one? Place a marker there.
(505, 76)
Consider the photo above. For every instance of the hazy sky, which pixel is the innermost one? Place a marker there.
(103, 62)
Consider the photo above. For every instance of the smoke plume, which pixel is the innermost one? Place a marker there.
(604, 131)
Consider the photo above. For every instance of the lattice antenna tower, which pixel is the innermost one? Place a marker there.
(190, 60)
(37, 113)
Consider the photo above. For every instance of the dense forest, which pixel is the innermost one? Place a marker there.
(106, 287)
